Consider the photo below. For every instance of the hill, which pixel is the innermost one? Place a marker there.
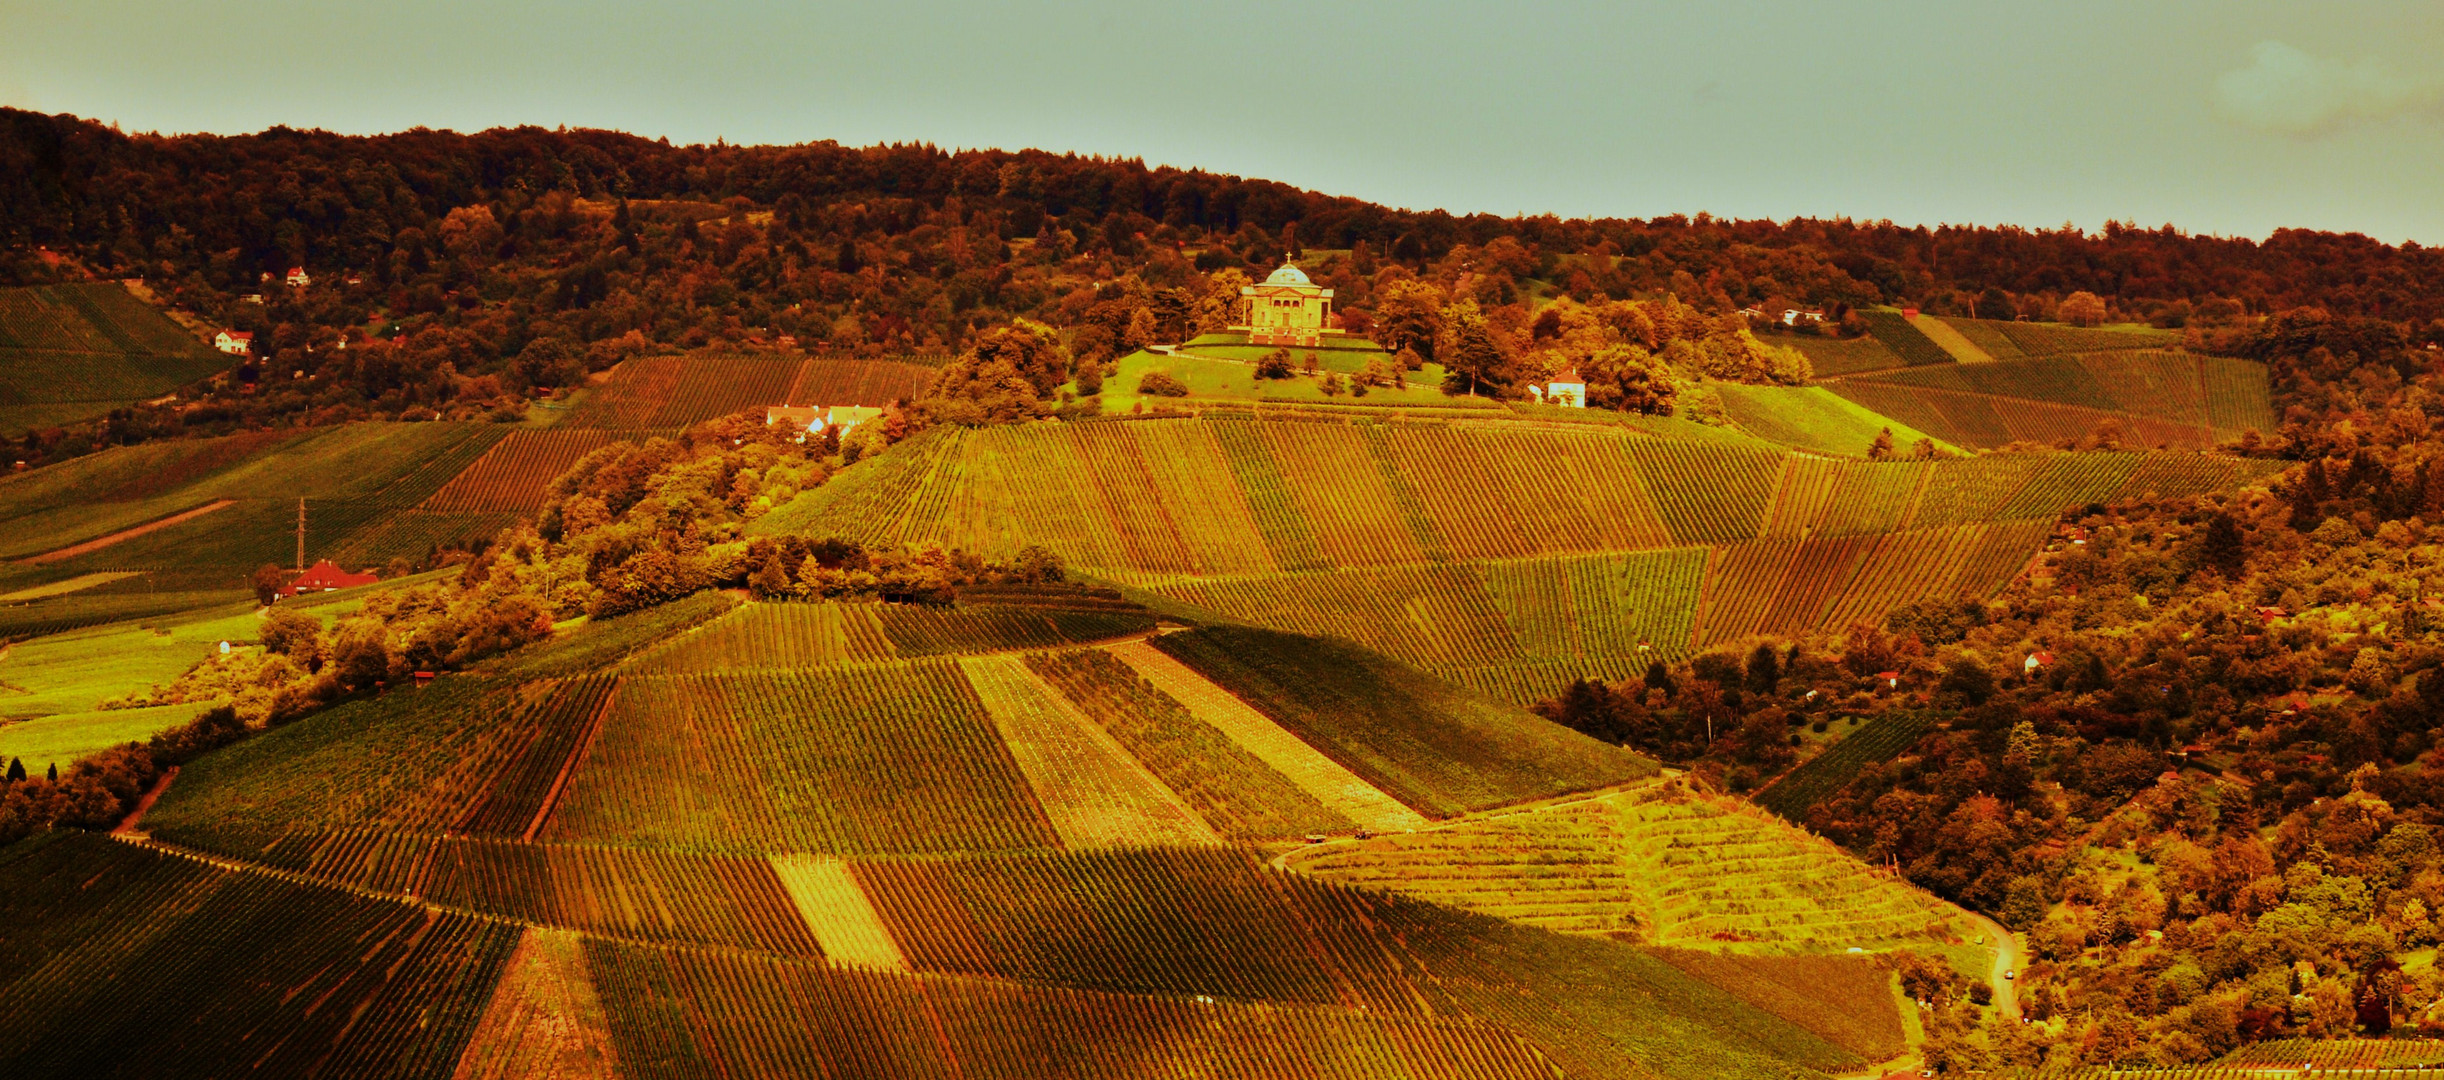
(560, 842)
(73, 352)
(1509, 556)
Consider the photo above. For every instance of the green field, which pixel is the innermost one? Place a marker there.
(60, 740)
(1812, 418)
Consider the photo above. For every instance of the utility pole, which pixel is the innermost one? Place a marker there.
(301, 536)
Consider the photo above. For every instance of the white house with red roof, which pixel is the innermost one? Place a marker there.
(234, 342)
(297, 278)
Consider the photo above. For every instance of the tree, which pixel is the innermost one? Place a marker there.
(1006, 376)
(1659, 677)
(268, 580)
(1628, 378)
(1408, 318)
(770, 579)
(293, 634)
(1274, 365)
(1881, 448)
(1994, 303)
(1474, 359)
(16, 769)
(1764, 670)
(2082, 308)
(2222, 548)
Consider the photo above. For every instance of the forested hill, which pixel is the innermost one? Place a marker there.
(230, 208)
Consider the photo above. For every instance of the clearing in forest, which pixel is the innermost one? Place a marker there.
(1317, 775)
(1095, 794)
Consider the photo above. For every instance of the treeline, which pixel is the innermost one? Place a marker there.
(498, 267)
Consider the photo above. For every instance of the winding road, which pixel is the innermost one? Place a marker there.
(2006, 958)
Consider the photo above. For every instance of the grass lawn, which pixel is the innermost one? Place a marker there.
(61, 740)
(74, 671)
(1222, 380)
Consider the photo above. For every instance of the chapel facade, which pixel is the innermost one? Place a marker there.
(1287, 309)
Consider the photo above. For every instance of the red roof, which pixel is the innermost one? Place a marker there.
(1888, 675)
(324, 576)
(240, 335)
(1570, 375)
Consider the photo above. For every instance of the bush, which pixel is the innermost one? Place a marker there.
(1161, 385)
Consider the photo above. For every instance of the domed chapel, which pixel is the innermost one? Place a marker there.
(1287, 309)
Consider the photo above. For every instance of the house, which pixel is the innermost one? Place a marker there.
(1891, 679)
(801, 417)
(297, 278)
(235, 342)
(1782, 311)
(324, 576)
(812, 419)
(1567, 388)
(1287, 309)
(2036, 660)
(2269, 614)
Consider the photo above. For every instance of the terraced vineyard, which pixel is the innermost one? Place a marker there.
(1879, 741)
(1905, 340)
(2154, 397)
(514, 474)
(791, 636)
(1438, 750)
(665, 393)
(1658, 864)
(73, 352)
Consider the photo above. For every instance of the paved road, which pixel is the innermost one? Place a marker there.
(2006, 958)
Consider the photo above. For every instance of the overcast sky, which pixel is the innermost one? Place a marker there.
(2222, 116)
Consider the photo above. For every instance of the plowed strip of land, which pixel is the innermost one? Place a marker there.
(100, 542)
(545, 1019)
(1951, 340)
(1094, 792)
(842, 919)
(1317, 775)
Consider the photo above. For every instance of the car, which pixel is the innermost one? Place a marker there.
(2010, 975)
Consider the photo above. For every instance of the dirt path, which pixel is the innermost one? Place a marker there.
(128, 827)
(100, 542)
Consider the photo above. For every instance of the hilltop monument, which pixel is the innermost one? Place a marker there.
(1287, 309)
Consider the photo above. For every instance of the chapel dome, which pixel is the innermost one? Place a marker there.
(1287, 275)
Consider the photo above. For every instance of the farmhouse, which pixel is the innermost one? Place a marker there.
(325, 576)
(297, 278)
(234, 342)
(1287, 309)
(1568, 388)
(812, 419)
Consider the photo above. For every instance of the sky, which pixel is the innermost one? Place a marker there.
(2232, 117)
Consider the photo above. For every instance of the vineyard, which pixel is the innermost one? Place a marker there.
(1439, 750)
(1881, 740)
(896, 758)
(1832, 357)
(1793, 586)
(1962, 348)
(1656, 863)
(1810, 418)
(794, 636)
(1243, 797)
(72, 352)
(1170, 503)
(666, 393)
(2156, 397)
(515, 474)
(1848, 1000)
(1905, 339)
